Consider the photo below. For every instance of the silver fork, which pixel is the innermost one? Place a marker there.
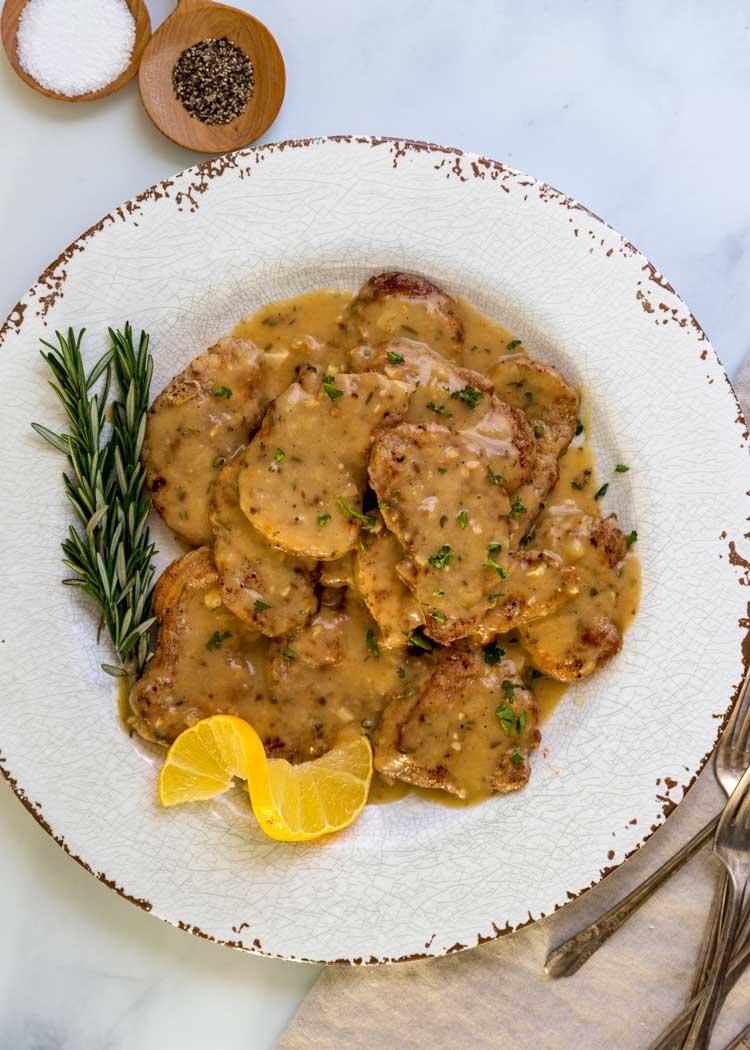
(730, 761)
(732, 847)
(672, 1038)
(570, 956)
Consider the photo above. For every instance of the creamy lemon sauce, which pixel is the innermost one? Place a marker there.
(336, 674)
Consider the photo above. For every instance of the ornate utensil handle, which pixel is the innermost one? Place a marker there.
(703, 1019)
(673, 1037)
(578, 949)
(710, 936)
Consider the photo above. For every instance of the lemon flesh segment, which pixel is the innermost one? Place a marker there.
(291, 803)
(298, 803)
(204, 759)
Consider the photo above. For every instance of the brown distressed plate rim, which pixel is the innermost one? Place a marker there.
(50, 287)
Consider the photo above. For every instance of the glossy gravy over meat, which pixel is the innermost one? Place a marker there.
(445, 625)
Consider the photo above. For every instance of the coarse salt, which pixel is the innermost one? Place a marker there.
(74, 47)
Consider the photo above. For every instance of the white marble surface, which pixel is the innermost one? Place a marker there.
(638, 110)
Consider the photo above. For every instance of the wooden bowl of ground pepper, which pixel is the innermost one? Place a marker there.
(212, 78)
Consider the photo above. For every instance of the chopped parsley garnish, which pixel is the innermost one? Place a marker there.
(469, 395)
(401, 672)
(632, 538)
(492, 547)
(420, 641)
(463, 519)
(363, 544)
(441, 559)
(579, 427)
(495, 597)
(516, 758)
(194, 430)
(260, 605)
(367, 521)
(438, 594)
(442, 470)
(602, 491)
(217, 638)
(508, 688)
(526, 540)
(513, 344)
(289, 654)
(323, 518)
(218, 462)
(621, 469)
(310, 368)
(371, 643)
(493, 653)
(279, 455)
(223, 391)
(517, 508)
(492, 564)
(529, 396)
(506, 717)
(332, 391)
(496, 479)
(394, 358)
(440, 617)
(538, 430)
(543, 505)
(439, 410)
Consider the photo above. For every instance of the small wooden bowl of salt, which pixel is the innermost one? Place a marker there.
(75, 50)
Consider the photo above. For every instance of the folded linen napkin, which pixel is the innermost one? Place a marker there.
(497, 996)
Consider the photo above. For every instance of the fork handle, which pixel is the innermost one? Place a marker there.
(673, 1036)
(710, 935)
(578, 949)
(700, 1030)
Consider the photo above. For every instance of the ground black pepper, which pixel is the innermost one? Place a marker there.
(214, 80)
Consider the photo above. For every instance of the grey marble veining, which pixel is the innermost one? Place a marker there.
(636, 109)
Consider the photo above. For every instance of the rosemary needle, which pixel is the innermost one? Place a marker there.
(111, 556)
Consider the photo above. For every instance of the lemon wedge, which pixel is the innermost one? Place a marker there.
(291, 803)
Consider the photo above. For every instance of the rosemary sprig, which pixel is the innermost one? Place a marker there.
(111, 557)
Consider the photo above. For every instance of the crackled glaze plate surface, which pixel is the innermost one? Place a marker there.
(186, 260)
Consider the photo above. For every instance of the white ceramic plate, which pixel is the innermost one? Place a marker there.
(186, 260)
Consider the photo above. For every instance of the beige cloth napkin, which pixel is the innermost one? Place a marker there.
(497, 997)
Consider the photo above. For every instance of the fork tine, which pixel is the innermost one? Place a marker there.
(743, 809)
(739, 723)
(735, 811)
(742, 732)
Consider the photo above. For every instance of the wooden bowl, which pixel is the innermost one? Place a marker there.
(9, 27)
(192, 22)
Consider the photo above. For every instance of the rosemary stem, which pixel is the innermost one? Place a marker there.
(110, 553)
